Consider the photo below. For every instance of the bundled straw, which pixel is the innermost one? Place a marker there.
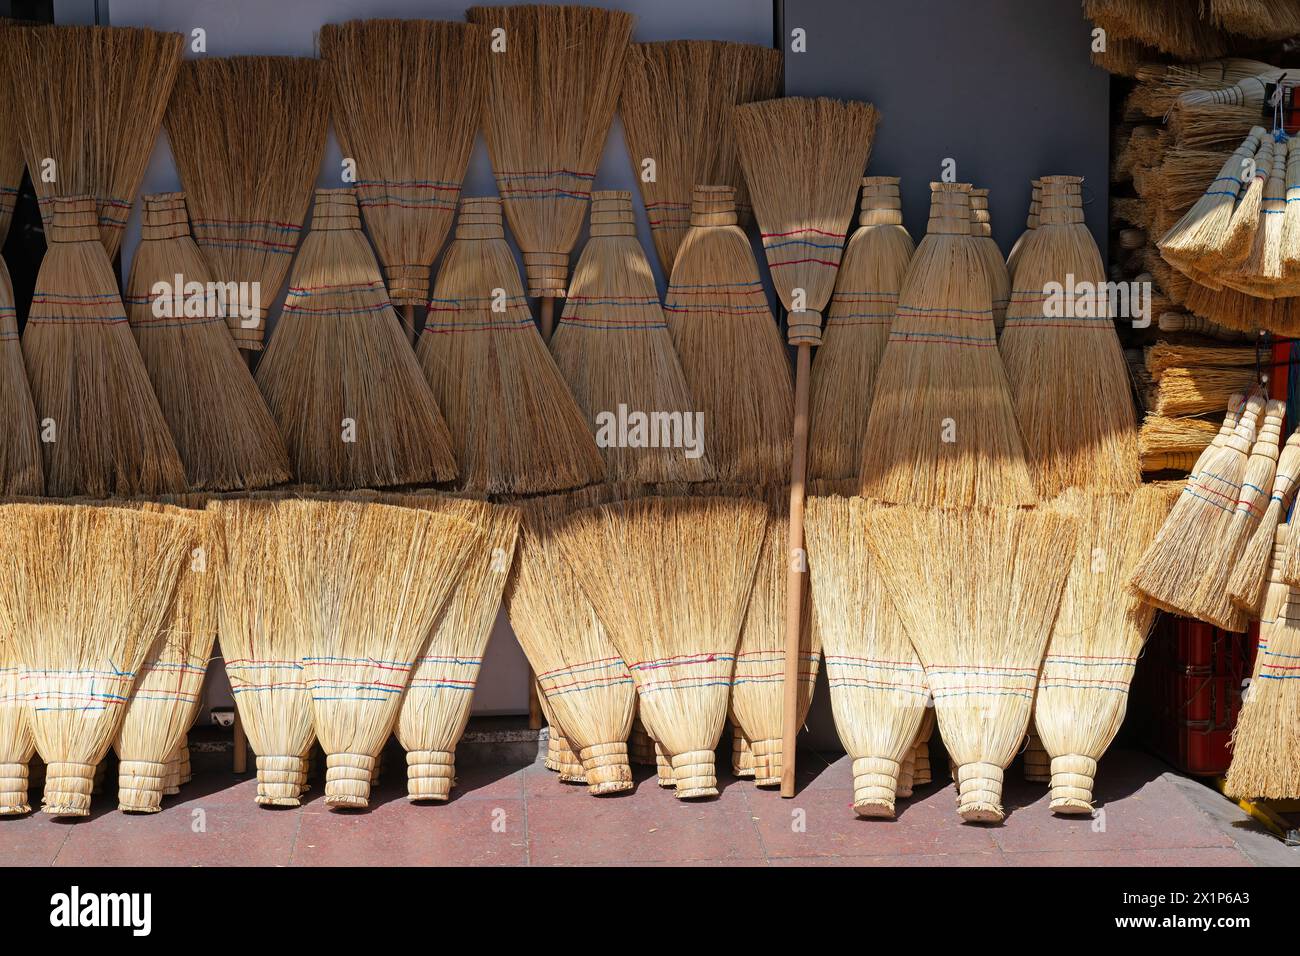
(514, 425)
(248, 202)
(223, 430)
(736, 367)
(1250, 573)
(339, 376)
(1099, 631)
(407, 97)
(89, 385)
(1031, 223)
(669, 578)
(613, 348)
(942, 429)
(978, 592)
(85, 591)
(1063, 358)
(1203, 230)
(550, 100)
(11, 146)
(995, 269)
(20, 447)
(436, 705)
(676, 110)
(16, 743)
(1199, 389)
(857, 327)
(878, 692)
(95, 98)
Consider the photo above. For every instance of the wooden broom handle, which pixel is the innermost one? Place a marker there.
(796, 570)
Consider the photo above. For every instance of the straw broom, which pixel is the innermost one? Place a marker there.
(1065, 366)
(921, 773)
(995, 268)
(980, 625)
(514, 425)
(614, 350)
(339, 376)
(942, 428)
(736, 367)
(560, 758)
(742, 754)
(368, 581)
(86, 591)
(16, 743)
(1199, 389)
(1245, 215)
(247, 204)
(1203, 229)
(407, 99)
(224, 432)
(583, 679)
(1163, 356)
(89, 386)
(436, 705)
(20, 448)
(1036, 764)
(95, 99)
(676, 110)
(11, 146)
(1099, 632)
(1250, 573)
(878, 692)
(1260, 270)
(550, 100)
(676, 623)
(857, 327)
(1031, 223)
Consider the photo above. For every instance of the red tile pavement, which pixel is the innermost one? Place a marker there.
(502, 815)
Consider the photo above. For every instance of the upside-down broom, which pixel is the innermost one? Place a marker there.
(552, 89)
(1063, 358)
(995, 267)
(11, 145)
(369, 581)
(1099, 632)
(339, 376)
(20, 446)
(676, 110)
(1031, 223)
(980, 624)
(103, 432)
(16, 743)
(93, 100)
(675, 622)
(736, 366)
(1250, 573)
(514, 425)
(407, 99)
(803, 160)
(857, 327)
(248, 202)
(86, 591)
(613, 348)
(224, 433)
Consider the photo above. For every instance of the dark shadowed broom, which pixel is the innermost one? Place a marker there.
(248, 203)
(223, 430)
(20, 446)
(676, 109)
(11, 143)
(103, 432)
(407, 98)
(552, 88)
(995, 268)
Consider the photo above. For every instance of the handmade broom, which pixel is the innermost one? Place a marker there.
(1031, 223)
(550, 100)
(1250, 574)
(339, 376)
(20, 447)
(16, 743)
(106, 435)
(676, 110)
(86, 590)
(560, 757)
(995, 268)
(1203, 229)
(1036, 764)
(1063, 360)
(95, 98)
(224, 432)
(11, 145)
(942, 428)
(247, 204)
(921, 771)
(675, 622)
(857, 327)
(514, 425)
(990, 583)
(407, 100)
(1099, 632)
(737, 370)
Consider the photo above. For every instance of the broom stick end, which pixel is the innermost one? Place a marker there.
(796, 573)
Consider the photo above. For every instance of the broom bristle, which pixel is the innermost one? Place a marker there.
(613, 348)
(735, 365)
(224, 433)
(11, 145)
(514, 424)
(20, 446)
(857, 328)
(339, 376)
(16, 743)
(407, 100)
(1240, 234)
(1250, 575)
(1164, 355)
(1203, 229)
(95, 98)
(1031, 223)
(85, 592)
(676, 107)
(995, 268)
(1260, 270)
(942, 428)
(248, 202)
(88, 382)
(550, 100)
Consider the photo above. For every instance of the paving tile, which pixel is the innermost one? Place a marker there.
(988, 858)
(31, 840)
(1182, 857)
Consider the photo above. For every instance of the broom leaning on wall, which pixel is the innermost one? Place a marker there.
(20, 446)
